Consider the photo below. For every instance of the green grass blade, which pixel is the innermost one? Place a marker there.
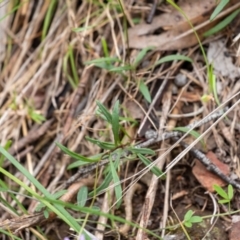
(219, 8)
(48, 18)
(11, 236)
(76, 165)
(105, 47)
(194, 133)
(147, 162)
(115, 123)
(141, 150)
(61, 212)
(73, 66)
(101, 144)
(141, 55)
(103, 111)
(117, 184)
(222, 24)
(213, 84)
(75, 155)
(174, 57)
(145, 92)
(6, 147)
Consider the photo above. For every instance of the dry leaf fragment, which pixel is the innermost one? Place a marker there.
(206, 178)
(172, 25)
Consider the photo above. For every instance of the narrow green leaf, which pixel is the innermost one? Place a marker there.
(48, 18)
(141, 150)
(73, 66)
(120, 68)
(10, 234)
(60, 211)
(103, 110)
(174, 57)
(141, 55)
(222, 24)
(105, 48)
(220, 191)
(3, 189)
(145, 92)
(117, 184)
(103, 145)
(194, 133)
(106, 180)
(115, 123)
(6, 147)
(75, 155)
(58, 194)
(223, 201)
(103, 185)
(82, 196)
(147, 162)
(230, 192)
(82, 29)
(109, 60)
(219, 8)
(213, 83)
(76, 165)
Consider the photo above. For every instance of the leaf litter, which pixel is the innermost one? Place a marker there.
(43, 54)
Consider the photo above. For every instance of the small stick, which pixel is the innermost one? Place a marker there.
(152, 12)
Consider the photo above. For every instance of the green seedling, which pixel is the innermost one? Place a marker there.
(189, 219)
(227, 196)
(35, 116)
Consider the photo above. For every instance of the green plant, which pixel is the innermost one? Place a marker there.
(113, 151)
(227, 196)
(189, 219)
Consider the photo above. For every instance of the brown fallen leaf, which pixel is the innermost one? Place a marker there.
(173, 24)
(206, 178)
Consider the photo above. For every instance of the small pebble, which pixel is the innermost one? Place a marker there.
(180, 80)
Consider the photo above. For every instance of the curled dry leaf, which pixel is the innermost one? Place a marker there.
(172, 25)
(206, 178)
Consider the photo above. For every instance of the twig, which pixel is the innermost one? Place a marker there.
(152, 12)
